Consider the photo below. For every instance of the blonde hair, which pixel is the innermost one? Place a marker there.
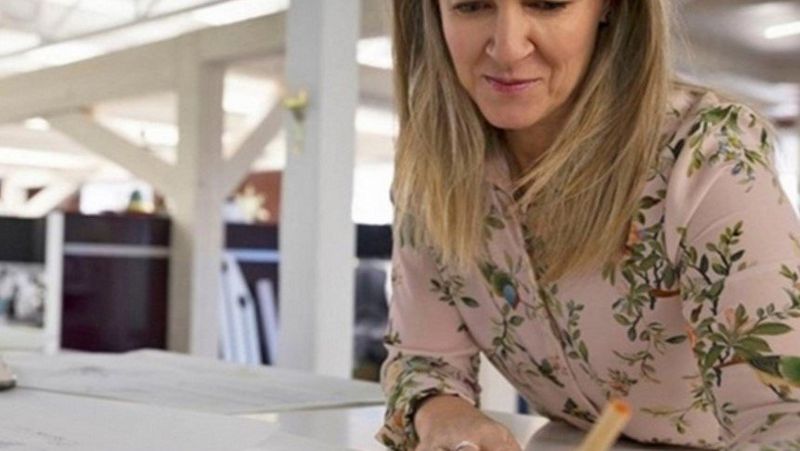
(583, 191)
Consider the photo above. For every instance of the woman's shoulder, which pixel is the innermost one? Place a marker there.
(706, 129)
(698, 111)
(714, 141)
(684, 98)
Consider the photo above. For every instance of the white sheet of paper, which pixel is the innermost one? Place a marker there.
(282, 441)
(177, 380)
(41, 421)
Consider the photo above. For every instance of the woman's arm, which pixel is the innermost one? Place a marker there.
(430, 353)
(737, 250)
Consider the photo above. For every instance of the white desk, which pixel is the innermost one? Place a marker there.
(354, 428)
(84, 402)
(32, 420)
(185, 382)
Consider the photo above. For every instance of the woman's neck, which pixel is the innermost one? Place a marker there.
(528, 144)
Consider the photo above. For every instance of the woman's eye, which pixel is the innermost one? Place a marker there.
(470, 7)
(548, 6)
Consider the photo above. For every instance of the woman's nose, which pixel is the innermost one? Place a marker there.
(510, 40)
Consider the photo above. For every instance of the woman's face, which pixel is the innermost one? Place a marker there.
(520, 60)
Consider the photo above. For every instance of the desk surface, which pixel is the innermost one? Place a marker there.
(159, 401)
(33, 420)
(187, 382)
(354, 428)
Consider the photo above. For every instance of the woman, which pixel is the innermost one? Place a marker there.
(594, 228)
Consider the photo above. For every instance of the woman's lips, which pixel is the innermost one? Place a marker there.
(510, 86)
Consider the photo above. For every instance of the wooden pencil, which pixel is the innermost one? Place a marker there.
(607, 428)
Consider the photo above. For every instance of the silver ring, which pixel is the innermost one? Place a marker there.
(466, 444)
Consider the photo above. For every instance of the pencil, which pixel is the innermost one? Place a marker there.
(607, 428)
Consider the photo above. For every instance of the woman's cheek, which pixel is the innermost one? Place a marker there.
(463, 55)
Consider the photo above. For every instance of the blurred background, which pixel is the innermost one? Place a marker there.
(96, 277)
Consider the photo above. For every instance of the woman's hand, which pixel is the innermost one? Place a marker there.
(445, 422)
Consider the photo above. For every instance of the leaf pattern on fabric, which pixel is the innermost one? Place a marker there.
(697, 324)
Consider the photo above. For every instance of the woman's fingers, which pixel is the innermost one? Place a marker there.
(466, 430)
(500, 444)
(500, 440)
(466, 445)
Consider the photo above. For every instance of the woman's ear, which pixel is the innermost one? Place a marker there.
(606, 12)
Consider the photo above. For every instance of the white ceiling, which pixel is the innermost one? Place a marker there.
(724, 46)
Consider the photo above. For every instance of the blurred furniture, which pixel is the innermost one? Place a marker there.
(107, 280)
(115, 282)
(34, 245)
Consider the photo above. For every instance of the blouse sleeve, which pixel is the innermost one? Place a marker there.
(430, 352)
(735, 240)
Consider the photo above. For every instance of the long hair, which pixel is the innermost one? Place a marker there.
(582, 192)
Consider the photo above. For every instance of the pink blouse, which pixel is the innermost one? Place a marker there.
(698, 327)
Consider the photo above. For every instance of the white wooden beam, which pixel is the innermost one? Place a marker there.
(98, 139)
(126, 73)
(54, 279)
(317, 239)
(252, 147)
(252, 38)
(197, 223)
(13, 198)
(136, 71)
(48, 199)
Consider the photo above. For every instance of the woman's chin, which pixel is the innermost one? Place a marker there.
(514, 123)
(511, 120)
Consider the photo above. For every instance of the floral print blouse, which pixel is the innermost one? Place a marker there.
(698, 326)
